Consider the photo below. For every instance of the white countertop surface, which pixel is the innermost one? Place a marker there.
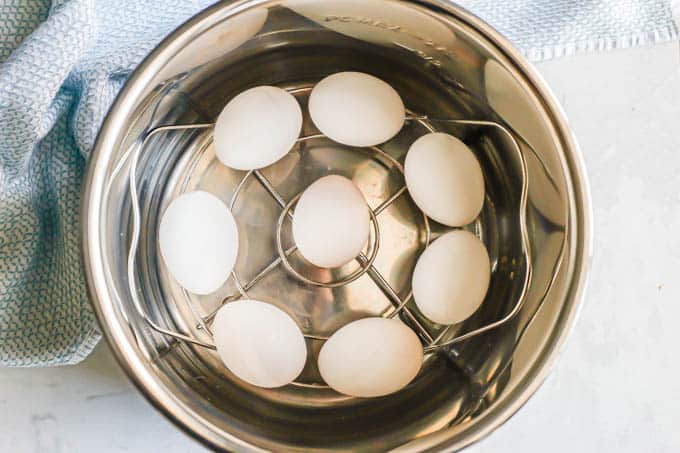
(616, 386)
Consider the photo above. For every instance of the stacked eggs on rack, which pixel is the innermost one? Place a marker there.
(259, 342)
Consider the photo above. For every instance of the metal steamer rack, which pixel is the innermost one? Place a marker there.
(365, 259)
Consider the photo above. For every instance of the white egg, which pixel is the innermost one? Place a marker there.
(451, 277)
(198, 240)
(356, 109)
(259, 343)
(331, 222)
(444, 179)
(257, 128)
(371, 357)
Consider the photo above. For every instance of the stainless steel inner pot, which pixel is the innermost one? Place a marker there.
(445, 63)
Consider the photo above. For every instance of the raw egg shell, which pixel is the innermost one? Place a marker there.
(371, 357)
(257, 128)
(331, 222)
(451, 277)
(356, 109)
(259, 343)
(444, 179)
(198, 240)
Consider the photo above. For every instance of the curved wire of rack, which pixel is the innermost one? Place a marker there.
(134, 241)
(365, 262)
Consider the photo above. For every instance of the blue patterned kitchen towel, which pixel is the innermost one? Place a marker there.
(545, 29)
(61, 65)
(55, 88)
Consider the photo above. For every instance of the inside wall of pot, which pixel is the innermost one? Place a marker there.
(441, 70)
